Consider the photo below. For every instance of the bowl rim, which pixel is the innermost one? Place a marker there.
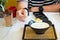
(40, 23)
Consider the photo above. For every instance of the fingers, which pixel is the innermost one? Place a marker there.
(25, 12)
(22, 14)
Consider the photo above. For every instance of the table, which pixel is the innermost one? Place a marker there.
(15, 32)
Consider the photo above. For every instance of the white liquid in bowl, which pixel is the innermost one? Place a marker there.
(40, 25)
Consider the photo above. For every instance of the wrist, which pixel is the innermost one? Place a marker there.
(26, 9)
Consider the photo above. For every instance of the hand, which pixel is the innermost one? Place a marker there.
(22, 14)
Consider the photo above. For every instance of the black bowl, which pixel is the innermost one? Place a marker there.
(40, 30)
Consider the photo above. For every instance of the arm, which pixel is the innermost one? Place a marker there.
(21, 12)
(22, 4)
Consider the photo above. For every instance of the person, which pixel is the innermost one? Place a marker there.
(22, 13)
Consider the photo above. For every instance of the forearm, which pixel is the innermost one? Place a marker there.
(22, 4)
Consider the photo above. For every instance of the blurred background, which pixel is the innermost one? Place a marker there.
(12, 5)
(50, 8)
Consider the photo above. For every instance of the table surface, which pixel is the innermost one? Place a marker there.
(15, 32)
